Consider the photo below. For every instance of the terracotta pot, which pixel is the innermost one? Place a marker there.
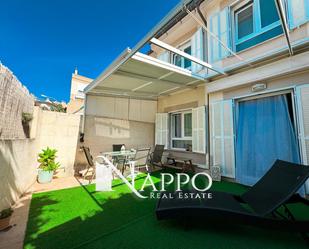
(5, 223)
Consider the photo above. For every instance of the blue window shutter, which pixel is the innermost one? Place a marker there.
(213, 43)
(197, 46)
(164, 56)
(298, 12)
(225, 32)
(220, 26)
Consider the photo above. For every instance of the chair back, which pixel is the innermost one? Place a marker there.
(142, 156)
(88, 155)
(117, 147)
(157, 153)
(279, 184)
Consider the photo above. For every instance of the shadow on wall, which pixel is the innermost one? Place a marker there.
(17, 170)
(115, 128)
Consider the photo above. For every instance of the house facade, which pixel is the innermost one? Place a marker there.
(242, 104)
(77, 96)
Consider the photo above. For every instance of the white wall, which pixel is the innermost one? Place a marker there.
(18, 157)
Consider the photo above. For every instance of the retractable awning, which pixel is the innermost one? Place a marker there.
(142, 76)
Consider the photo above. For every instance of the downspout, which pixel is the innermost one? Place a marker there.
(208, 107)
(206, 38)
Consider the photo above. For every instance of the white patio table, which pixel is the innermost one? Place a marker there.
(126, 155)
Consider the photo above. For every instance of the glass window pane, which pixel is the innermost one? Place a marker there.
(176, 125)
(188, 124)
(182, 144)
(269, 13)
(245, 21)
(177, 60)
(187, 63)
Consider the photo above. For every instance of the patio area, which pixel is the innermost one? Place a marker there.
(80, 217)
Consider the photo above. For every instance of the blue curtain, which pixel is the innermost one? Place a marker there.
(264, 133)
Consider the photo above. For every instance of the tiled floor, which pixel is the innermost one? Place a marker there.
(13, 238)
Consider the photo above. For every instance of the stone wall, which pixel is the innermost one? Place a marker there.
(14, 100)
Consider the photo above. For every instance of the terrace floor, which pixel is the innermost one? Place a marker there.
(13, 238)
(80, 217)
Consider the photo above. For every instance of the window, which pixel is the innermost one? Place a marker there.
(80, 91)
(220, 26)
(244, 19)
(181, 61)
(181, 130)
(255, 21)
(298, 12)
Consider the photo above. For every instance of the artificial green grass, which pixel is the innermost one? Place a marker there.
(82, 218)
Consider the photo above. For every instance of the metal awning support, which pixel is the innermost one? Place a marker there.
(185, 55)
(285, 27)
(128, 53)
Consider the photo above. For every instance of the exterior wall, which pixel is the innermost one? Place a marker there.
(18, 157)
(101, 133)
(283, 82)
(181, 100)
(18, 169)
(282, 73)
(76, 97)
(185, 100)
(111, 120)
(60, 131)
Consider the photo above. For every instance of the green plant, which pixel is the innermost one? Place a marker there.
(47, 160)
(6, 213)
(57, 108)
(26, 117)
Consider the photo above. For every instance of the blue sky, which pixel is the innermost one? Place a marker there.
(43, 40)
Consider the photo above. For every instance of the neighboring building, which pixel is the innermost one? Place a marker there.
(77, 96)
(243, 107)
(48, 105)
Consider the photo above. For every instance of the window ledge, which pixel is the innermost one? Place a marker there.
(184, 151)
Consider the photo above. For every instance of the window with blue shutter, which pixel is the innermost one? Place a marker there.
(197, 46)
(255, 22)
(220, 27)
(181, 61)
(298, 12)
(164, 56)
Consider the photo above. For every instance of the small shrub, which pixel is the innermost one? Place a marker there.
(6, 213)
(26, 117)
(47, 160)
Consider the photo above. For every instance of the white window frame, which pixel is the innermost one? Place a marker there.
(257, 23)
(183, 137)
(182, 47)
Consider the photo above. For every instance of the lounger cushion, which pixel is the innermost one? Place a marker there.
(221, 202)
(276, 186)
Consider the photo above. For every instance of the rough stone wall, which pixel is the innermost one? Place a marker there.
(14, 100)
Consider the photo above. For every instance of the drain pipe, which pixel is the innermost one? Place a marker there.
(205, 22)
(207, 94)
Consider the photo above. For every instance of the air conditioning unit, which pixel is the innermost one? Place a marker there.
(258, 87)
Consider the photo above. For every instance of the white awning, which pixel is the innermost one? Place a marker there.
(142, 76)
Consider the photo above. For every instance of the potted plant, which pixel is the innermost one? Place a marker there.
(5, 216)
(47, 165)
(26, 119)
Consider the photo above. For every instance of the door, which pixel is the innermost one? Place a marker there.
(265, 133)
(302, 103)
(222, 137)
